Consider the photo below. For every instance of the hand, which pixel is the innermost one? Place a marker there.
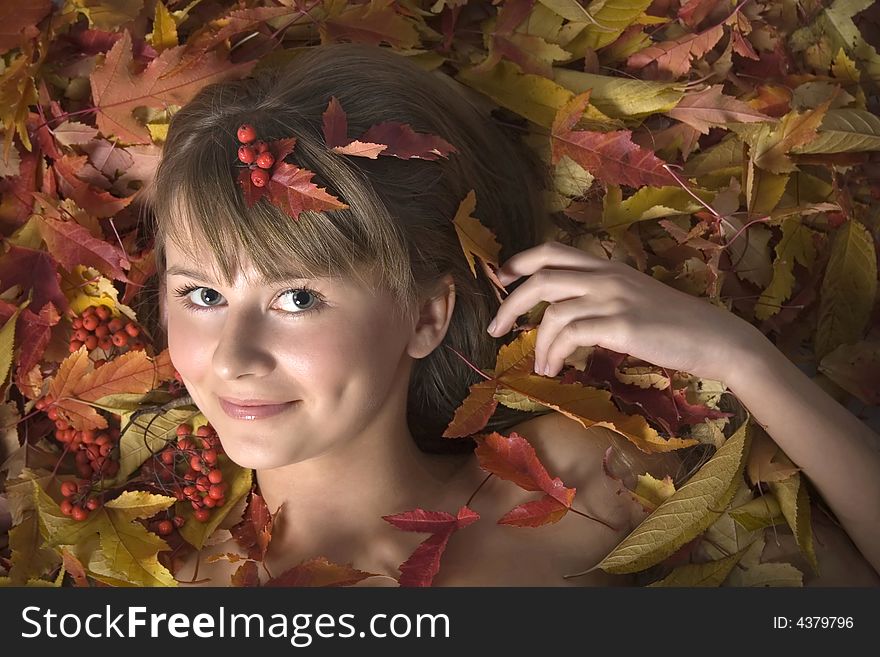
(609, 304)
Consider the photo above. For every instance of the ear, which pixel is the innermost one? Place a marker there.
(434, 317)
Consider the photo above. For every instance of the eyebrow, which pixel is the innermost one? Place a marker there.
(265, 280)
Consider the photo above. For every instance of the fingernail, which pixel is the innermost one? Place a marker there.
(491, 328)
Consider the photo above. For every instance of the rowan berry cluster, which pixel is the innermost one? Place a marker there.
(188, 470)
(165, 526)
(97, 327)
(94, 449)
(78, 501)
(255, 154)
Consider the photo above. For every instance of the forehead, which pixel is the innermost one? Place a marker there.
(198, 262)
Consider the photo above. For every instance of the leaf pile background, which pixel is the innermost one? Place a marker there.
(727, 149)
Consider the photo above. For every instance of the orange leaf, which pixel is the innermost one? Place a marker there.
(131, 372)
(169, 79)
(319, 571)
(476, 239)
(254, 531)
(674, 57)
(72, 244)
(373, 23)
(474, 412)
(15, 17)
(62, 389)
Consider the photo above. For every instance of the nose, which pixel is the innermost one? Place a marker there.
(240, 351)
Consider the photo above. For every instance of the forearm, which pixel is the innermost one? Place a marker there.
(838, 452)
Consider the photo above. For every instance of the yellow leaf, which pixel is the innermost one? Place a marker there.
(712, 573)
(620, 98)
(795, 505)
(475, 238)
(763, 189)
(533, 96)
(763, 511)
(589, 406)
(7, 346)
(845, 130)
(651, 203)
(609, 19)
(105, 15)
(29, 557)
(750, 572)
(651, 492)
(17, 94)
(796, 245)
(848, 289)
(164, 34)
(134, 504)
(688, 512)
(147, 435)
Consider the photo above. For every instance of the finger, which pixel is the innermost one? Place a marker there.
(549, 254)
(549, 285)
(555, 318)
(606, 331)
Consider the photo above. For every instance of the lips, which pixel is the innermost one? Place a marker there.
(250, 411)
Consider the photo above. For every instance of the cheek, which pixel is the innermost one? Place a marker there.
(187, 346)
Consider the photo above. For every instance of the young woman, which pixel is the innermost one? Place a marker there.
(344, 325)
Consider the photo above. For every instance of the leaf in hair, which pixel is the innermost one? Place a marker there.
(335, 125)
(291, 189)
(406, 143)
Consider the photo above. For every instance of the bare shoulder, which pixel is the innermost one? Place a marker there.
(540, 556)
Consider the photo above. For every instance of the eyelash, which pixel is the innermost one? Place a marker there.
(183, 292)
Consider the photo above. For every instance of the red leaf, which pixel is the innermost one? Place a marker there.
(424, 563)
(610, 156)
(335, 124)
(319, 571)
(405, 143)
(73, 245)
(254, 531)
(544, 511)
(291, 189)
(514, 459)
(674, 57)
(17, 202)
(33, 270)
(32, 332)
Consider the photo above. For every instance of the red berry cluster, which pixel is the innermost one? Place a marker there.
(164, 526)
(97, 327)
(78, 501)
(255, 154)
(189, 469)
(93, 448)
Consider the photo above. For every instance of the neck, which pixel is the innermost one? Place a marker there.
(332, 505)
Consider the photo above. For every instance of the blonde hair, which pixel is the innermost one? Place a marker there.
(399, 223)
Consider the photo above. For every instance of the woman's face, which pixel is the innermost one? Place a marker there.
(340, 352)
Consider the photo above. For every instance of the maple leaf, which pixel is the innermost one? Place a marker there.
(610, 156)
(14, 18)
(424, 563)
(514, 459)
(319, 571)
(172, 78)
(476, 240)
(374, 23)
(94, 201)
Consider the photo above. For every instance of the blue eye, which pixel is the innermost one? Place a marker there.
(300, 296)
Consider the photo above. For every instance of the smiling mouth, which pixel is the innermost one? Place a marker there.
(240, 412)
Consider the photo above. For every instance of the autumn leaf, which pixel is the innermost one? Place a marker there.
(476, 240)
(687, 513)
(16, 19)
(375, 22)
(794, 502)
(170, 79)
(855, 368)
(711, 107)
(320, 571)
(712, 573)
(424, 563)
(74, 245)
(610, 156)
(254, 531)
(246, 575)
(673, 58)
(335, 126)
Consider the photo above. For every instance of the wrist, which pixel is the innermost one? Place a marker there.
(756, 357)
